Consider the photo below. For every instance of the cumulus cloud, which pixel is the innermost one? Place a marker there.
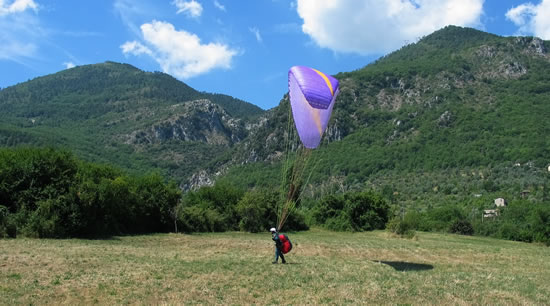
(532, 19)
(135, 48)
(380, 26)
(16, 6)
(179, 53)
(521, 13)
(220, 6)
(191, 8)
(256, 32)
(69, 65)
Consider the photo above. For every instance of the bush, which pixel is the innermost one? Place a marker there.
(330, 207)
(296, 222)
(28, 175)
(403, 228)
(223, 197)
(413, 219)
(257, 210)
(154, 203)
(540, 221)
(340, 223)
(520, 221)
(511, 231)
(201, 219)
(48, 193)
(353, 211)
(441, 218)
(7, 224)
(462, 227)
(210, 209)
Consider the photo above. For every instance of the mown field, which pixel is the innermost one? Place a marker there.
(235, 268)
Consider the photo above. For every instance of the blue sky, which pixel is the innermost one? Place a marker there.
(242, 48)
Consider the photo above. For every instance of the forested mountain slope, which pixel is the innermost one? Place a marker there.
(119, 114)
(457, 115)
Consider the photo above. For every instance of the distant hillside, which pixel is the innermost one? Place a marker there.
(119, 114)
(441, 120)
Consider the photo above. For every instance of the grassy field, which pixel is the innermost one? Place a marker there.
(235, 268)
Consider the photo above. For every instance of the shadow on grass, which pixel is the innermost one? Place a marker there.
(406, 266)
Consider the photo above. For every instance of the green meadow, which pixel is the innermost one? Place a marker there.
(235, 268)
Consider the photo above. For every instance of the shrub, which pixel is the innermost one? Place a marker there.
(462, 227)
(400, 227)
(198, 219)
(540, 221)
(28, 175)
(413, 219)
(221, 198)
(296, 222)
(49, 193)
(353, 211)
(441, 218)
(257, 210)
(154, 203)
(7, 224)
(521, 221)
(210, 209)
(339, 223)
(329, 207)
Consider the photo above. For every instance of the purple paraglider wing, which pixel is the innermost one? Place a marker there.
(312, 95)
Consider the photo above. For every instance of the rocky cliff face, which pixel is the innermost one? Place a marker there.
(198, 120)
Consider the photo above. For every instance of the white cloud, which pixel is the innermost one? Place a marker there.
(179, 53)
(69, 65)
(130, 11)
(380, 26)
(23, 36)
(14, 50)
(532, 19)
(20, 32)
(135, 48)
(220, 6)
(191, 8)
(16, 6)
(256, 32)
(520, 13)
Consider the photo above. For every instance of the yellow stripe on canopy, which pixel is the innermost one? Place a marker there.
(326, 80)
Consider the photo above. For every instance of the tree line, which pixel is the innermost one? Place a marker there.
(520, 220)
(49, 193)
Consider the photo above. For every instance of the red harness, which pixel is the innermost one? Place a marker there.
(287, 245)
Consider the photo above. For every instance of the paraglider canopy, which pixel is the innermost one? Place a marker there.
(312, 95)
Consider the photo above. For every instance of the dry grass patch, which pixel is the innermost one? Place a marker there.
(235, 268)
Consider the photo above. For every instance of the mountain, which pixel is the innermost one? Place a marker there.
(116, 113)
(457, 116)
